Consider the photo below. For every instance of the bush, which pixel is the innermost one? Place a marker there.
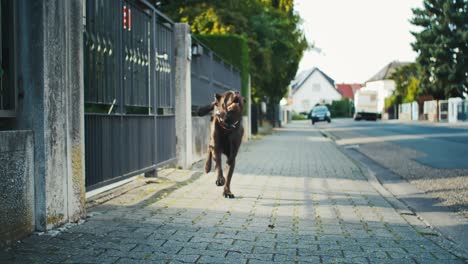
(297, 116)
(342, 108)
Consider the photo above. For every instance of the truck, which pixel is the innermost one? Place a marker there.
(366, 105)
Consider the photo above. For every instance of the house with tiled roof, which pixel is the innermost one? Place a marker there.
(348, 90)
(382, 84)
(312, 87)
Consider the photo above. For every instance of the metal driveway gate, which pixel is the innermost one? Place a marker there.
(129, 97)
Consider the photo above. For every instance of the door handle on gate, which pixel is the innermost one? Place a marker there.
(163, 56)
(92, 41)
(98, 43)
(110, 47)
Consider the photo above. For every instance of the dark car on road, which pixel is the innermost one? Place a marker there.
(320, 113)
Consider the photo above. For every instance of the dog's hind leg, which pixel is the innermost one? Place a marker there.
(208, 159)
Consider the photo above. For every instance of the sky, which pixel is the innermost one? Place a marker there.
(357, 38)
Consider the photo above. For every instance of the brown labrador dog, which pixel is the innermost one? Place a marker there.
(225, 135)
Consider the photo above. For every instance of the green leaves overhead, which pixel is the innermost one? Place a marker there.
(442, 47)
(275, 42)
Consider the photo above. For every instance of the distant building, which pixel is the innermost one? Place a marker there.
(312, 87)
(348, 90)
(382, 84)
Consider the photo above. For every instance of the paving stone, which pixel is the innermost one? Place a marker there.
(210, 259)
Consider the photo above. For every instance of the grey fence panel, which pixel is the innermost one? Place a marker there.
(136, 61)
(117, 146)
(210, 75)
(129, 57)
(202, 95)
(164, 59)
(101, 40)
(166, 139)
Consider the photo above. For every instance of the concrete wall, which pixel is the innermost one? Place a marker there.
(430, 110)
(200, 137)
(16, 185)
(49, 66)
(315, 90)
(183, 95)
(404, 112)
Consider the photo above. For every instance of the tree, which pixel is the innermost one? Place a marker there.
(442, 47)
(407, 84)
(275, 42)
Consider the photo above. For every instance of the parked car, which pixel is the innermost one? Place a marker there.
(320, 113)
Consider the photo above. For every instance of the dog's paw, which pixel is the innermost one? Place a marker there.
(220, 182)
(229, 195)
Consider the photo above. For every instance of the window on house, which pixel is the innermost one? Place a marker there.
(7, 87)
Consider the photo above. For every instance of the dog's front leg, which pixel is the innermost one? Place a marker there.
(230, 165)
(219, 171)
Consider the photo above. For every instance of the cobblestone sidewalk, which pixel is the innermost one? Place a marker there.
(298, 200)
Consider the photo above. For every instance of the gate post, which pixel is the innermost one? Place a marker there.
(183, 95)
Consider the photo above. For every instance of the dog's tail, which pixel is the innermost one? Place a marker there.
(208, 161)
(204, 110)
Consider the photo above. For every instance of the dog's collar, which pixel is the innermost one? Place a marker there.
(221, 124)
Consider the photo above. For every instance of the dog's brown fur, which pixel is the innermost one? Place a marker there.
(225, 135)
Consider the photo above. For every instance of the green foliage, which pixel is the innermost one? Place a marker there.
(442, 47)
(233, 49)
(275, 41)
(407, 85)
(412, 92)
(296, 116)
(341, 108)
(390, 101)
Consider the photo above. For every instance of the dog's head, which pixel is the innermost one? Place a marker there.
(229, 107)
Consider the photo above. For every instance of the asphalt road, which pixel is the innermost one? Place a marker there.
(424, 165)
(440, 147)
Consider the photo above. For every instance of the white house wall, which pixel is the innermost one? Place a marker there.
(307, 93)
